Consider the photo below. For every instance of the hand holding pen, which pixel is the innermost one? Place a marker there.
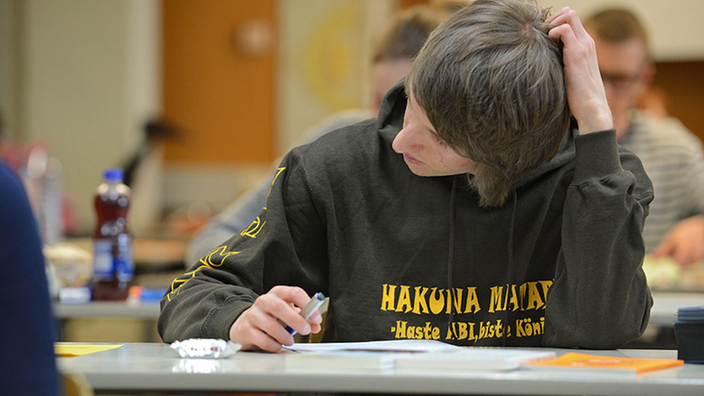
(273, 318)
(315, 302)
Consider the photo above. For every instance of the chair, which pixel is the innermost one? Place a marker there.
(76, 385)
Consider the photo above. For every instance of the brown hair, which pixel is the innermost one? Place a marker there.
(491, 82)
(616, 25)
(408, 31)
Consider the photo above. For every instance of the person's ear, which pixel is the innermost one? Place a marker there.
(648, 74)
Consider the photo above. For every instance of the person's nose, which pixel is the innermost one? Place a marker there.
(404, 140)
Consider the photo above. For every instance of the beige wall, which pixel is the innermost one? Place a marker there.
(9, 65)
(324, 60)
(85, 78)
(675, 26)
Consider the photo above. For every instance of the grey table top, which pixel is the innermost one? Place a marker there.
(125, 309)
(665, 305)
(156, 367)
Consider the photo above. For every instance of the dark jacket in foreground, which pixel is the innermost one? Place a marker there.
(403, 256)
(27, 361)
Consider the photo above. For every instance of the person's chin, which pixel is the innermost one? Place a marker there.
(419, 170)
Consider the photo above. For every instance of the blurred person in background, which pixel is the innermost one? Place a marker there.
(27, 359)
(671, 155)
(391, 61)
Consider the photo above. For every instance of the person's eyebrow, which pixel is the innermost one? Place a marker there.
(432, 128)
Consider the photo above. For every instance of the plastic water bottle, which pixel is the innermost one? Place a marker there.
(113, 265)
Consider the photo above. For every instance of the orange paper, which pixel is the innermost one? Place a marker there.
(575, 360)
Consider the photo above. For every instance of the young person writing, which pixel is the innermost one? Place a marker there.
(470, 211)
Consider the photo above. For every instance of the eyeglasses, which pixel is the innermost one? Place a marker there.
(619, 82)
(622, 81)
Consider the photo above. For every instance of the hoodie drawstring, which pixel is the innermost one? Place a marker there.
(451, 254)
(451, 257)
(510, 258)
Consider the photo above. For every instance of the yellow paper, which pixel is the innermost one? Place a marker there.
(68, 350)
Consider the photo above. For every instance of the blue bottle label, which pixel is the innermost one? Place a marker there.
(102, 258)
(123, 265)
(117, 262)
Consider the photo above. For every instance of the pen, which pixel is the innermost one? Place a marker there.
(315, 302)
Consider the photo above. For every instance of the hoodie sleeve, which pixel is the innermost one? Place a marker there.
(236, 217)
(284, 245)
(600, 298)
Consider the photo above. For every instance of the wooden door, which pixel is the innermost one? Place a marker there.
(218, 80)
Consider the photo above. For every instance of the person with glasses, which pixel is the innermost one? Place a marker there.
(671, 155)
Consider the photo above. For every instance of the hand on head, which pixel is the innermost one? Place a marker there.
(263, 325)
(585, 89)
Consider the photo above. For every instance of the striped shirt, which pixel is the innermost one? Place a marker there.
(672, 157)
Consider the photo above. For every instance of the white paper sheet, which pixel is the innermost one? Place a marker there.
(375, 346)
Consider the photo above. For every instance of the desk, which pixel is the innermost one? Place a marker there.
(156, 367)
(665, 305)
(157, 263)
(108, 321)
(102, 309)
